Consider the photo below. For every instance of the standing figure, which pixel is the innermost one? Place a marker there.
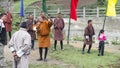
(101, 38)
(8, 23)
(20, 45)
(88, 35)
(3, 38)
(58, 30)
(30, 22)
(43, 32)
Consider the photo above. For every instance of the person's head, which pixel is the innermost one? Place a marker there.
(23, 25)
(89, 22)
(7, 10)
(30, 16)
(59, 15)
(101, 31)
(42, 14)
(3, 16)
(40, 19)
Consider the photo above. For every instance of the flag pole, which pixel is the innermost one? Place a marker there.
(104, 22)
(68, 36)
(105, 18)
(21, 10)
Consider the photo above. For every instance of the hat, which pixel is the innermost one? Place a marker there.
(23, 25)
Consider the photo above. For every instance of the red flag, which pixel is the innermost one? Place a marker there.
(73, 14)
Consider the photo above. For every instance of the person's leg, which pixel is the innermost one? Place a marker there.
(83, 48)
(89, 48)
(102, 49)
(45, 55)
(61, 44)
(10, 34)
(55, 43)
(32, 47)
(99, 49)
(40, 53)
(1, 56)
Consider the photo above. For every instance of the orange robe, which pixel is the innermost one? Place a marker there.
(44, 41)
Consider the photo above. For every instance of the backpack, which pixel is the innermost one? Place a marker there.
(44, 29)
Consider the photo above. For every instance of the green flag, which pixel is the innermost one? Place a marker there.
(44, 7)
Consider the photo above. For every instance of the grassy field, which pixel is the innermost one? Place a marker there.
(26, 3)
(73, 57)
(44, 66)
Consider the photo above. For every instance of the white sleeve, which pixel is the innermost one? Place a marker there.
(87, 37)
(20, 53)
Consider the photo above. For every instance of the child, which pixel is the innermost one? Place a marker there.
(101, 38)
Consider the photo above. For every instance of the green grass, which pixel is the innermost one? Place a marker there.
(43, 66)
(26, 3)
(73, 56)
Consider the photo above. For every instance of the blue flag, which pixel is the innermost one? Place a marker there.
(22, 8)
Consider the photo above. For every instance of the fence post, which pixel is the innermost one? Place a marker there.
(97, 11)
(84, 12)
(34, 12)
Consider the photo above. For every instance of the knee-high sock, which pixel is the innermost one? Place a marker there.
(61, 43)
(55, 43)
(40, 52)
(84, 47)
(10, 35)
(89, 48)
(32, 44)
(46, 51)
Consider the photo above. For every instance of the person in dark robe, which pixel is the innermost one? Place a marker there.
(58, 30)
(3, 38)
(88, 36)
(8, 23)
(30, 22)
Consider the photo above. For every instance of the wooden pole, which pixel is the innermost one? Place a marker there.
(68, 37)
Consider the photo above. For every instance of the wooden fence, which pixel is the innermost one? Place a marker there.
(84, 12)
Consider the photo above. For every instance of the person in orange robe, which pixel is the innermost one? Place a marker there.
(43, 32)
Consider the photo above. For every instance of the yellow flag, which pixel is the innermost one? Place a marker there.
(111, 11)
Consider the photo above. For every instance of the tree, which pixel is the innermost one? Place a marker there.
(101, 2)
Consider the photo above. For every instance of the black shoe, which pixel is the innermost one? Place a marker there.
(98, 54)
(102, 55)
(82, 52)
(88, 52)
(45, 60)
(39, 59)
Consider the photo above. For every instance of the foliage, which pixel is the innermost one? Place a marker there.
(116, 41)
(77, 38)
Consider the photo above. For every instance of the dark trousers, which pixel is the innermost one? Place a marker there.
(88, 48)
(9, 34)
(45, 53)
(32, 46)
(55, 44)
(101, 48)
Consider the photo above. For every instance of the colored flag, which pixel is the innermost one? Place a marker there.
(111, 11)
(73, 14)
(22, 8)
(44, 7)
